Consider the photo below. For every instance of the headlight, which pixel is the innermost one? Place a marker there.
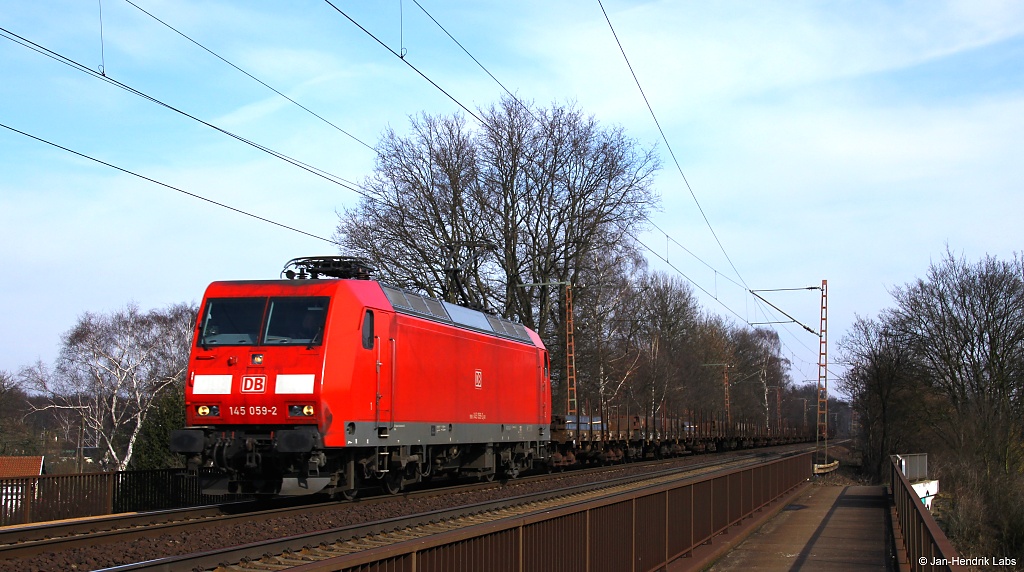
(208, 410)
(300, 411)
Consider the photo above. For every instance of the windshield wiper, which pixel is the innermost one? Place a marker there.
(315, 339)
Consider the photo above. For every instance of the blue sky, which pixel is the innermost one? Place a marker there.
(846, 141)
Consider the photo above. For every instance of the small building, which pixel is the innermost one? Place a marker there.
(915, 468)
(31, 466)
(13, 487)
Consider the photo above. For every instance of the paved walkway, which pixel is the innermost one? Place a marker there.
(823, 528)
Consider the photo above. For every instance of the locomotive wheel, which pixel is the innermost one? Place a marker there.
(350, 494)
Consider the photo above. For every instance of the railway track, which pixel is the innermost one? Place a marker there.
(151, 535)
(28, 540)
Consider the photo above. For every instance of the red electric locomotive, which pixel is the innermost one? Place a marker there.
(329, 381)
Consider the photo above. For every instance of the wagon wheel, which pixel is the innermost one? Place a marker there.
(393, 482)
(350, 494)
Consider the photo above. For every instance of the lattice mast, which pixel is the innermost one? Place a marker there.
(570, 356)
(822, 435)
(778, 410)
(728, 410)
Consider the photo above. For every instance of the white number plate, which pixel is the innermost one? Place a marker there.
(254, 410)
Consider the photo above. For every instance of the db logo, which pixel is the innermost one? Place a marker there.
(254, 383)
(478, 379)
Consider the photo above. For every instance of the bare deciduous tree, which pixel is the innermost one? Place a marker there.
(950, 356)
(759, 370)
(496, 216)
(607, 326)
(504, 215)
(15, 436)
(882, 380)
(965, 326)
(110, 369)
(667, 311)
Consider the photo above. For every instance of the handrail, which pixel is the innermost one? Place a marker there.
(925, 545)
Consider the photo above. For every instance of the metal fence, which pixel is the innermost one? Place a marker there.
(641, 531)
(920, 543)
(25, 500)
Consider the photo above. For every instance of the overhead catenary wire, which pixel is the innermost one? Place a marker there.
(402, 58)
(699, 259)
(524, 106)
(162, 184)
(84, 69)
(685, 181)
(487, 71)
(258, 80)
(668, 145)
(683, 274)
(681, 174)
(103, 55)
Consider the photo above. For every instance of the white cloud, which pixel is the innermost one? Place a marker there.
(695, 56)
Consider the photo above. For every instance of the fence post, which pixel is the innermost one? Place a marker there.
(111, 477)
(30, 497)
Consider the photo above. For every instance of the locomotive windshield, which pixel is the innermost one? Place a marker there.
(232, 321)
(296, 321)
(289, 321)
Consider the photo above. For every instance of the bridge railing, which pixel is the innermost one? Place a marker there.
(24, 500)
(920, 543)
(641, 530)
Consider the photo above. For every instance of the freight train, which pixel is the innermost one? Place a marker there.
(329, 381)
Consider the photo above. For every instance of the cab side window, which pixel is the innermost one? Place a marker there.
(368, 330)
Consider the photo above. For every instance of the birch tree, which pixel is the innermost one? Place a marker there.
(110, 370)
